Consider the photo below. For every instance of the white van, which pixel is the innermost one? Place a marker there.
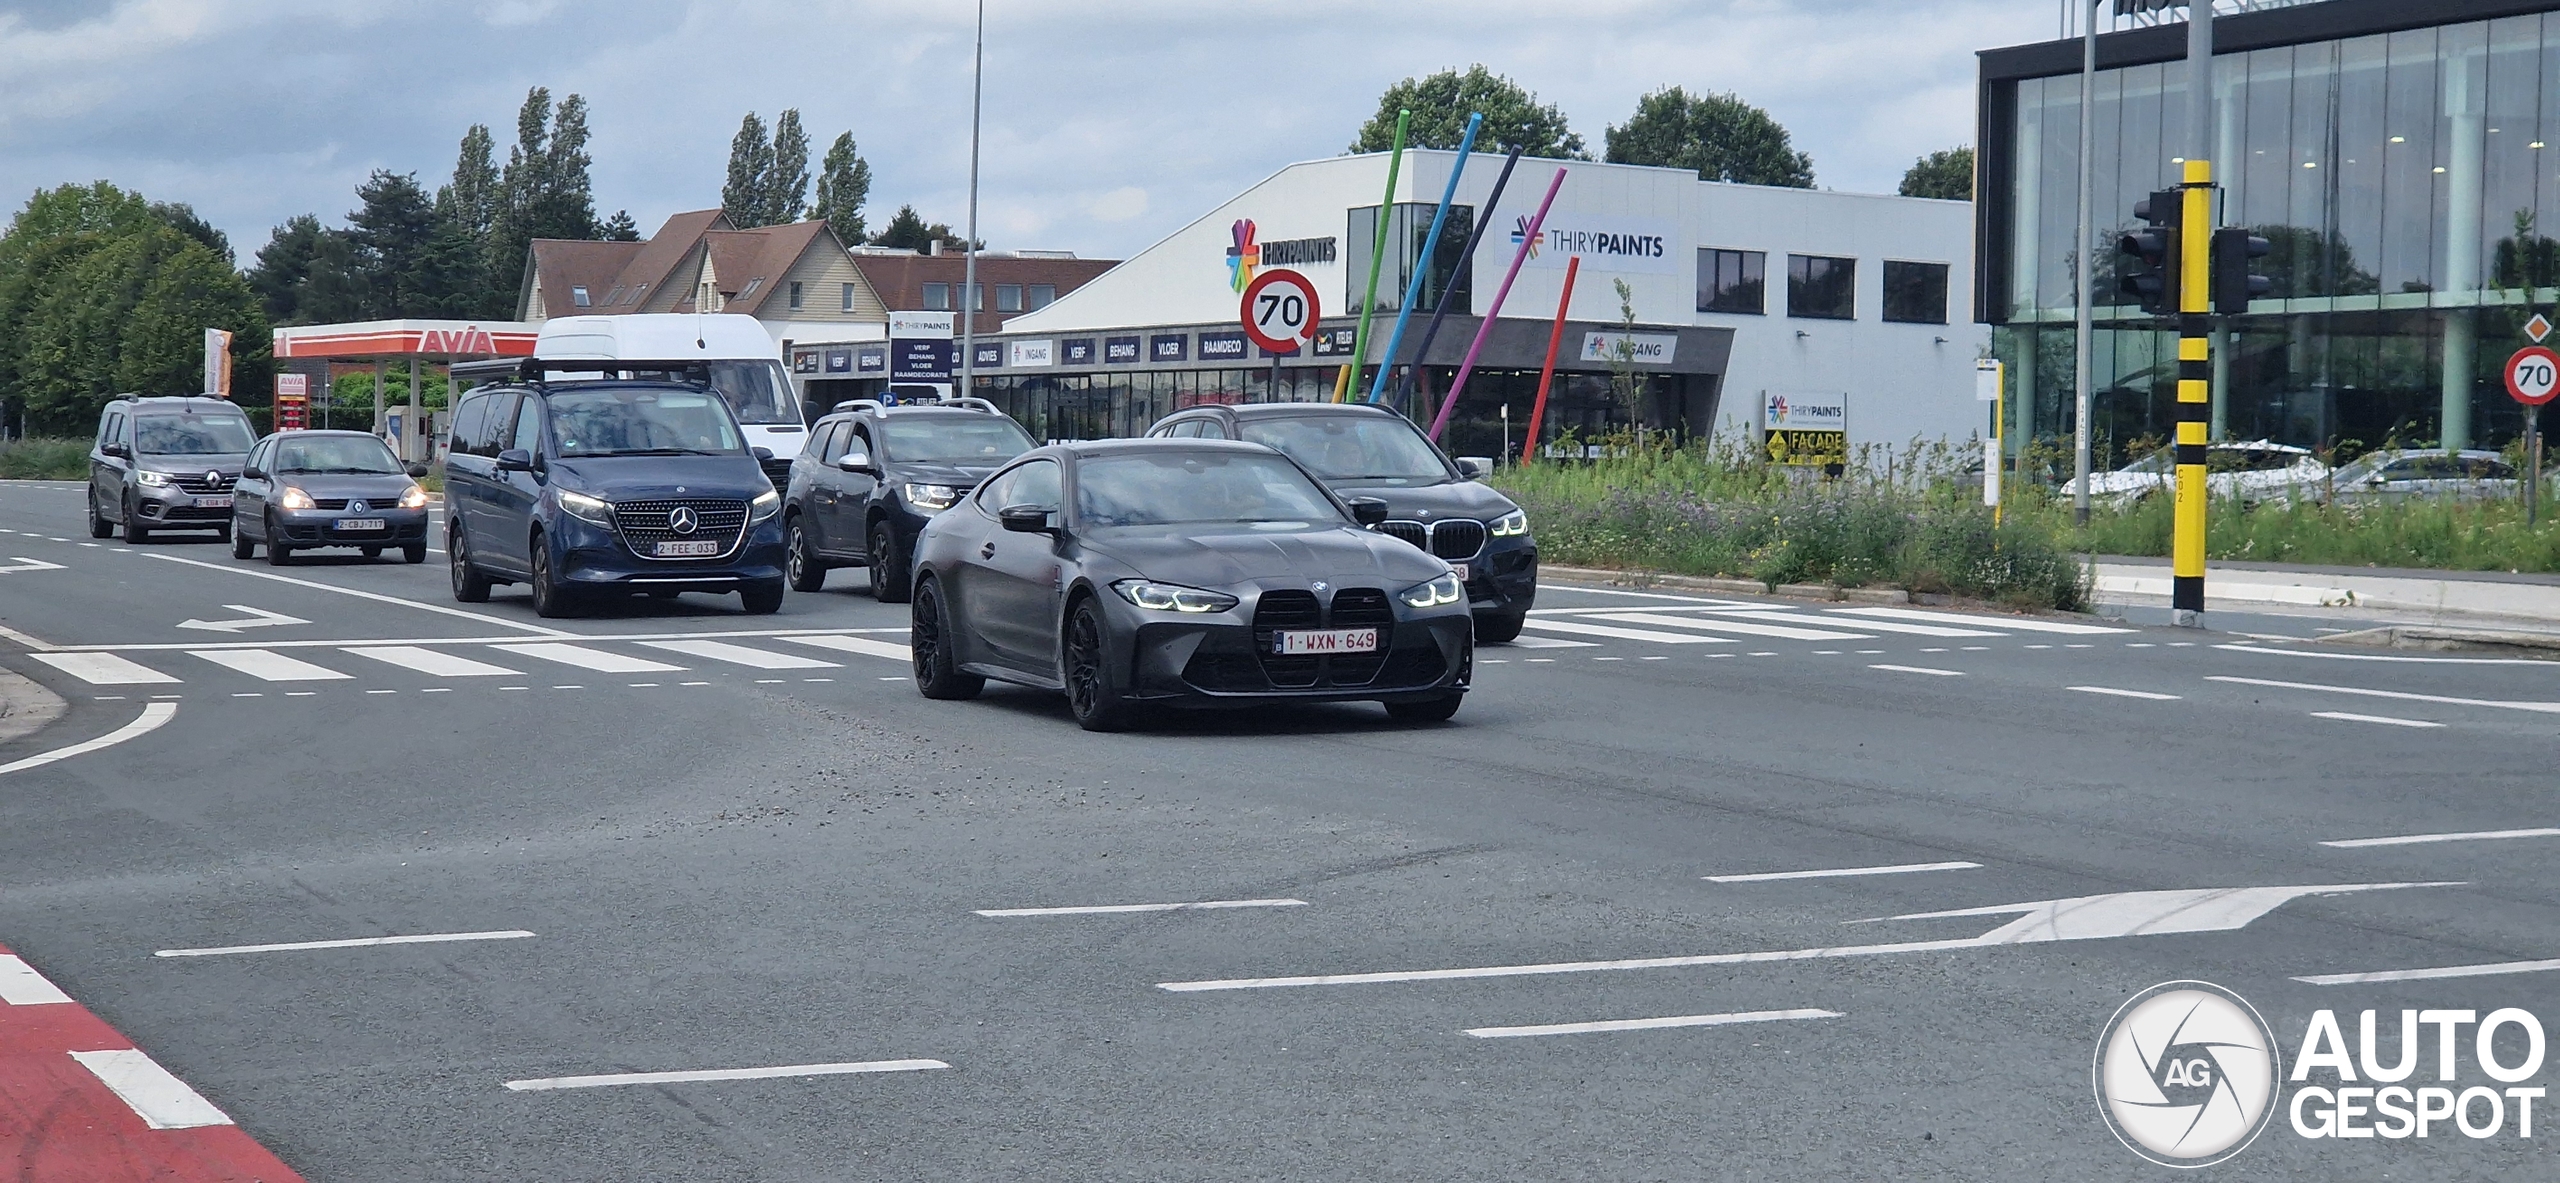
(745, 365)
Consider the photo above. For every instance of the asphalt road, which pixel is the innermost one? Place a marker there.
(770, 852)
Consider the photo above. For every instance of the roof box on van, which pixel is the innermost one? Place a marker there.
(656, 337)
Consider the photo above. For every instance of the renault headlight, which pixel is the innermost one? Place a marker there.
(932, 497)
(1512, 524)
(153, 479)
(415, 498)
(1444, 590)
(295, 498)
(1172, 597)
(586, 508)
(766, 504)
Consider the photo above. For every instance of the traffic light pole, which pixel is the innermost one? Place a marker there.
(2195, 393)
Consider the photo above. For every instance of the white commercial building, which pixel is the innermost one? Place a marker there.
(1738, 293)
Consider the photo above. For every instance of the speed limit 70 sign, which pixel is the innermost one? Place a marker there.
(1280, 309)
(2533, 375)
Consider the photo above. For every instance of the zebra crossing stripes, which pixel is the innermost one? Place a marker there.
(103, 669)
(430, 661)
(305, 663)
(1720, 624)
(762, 659)
(600, 660)
(863, 645)
(267, 665)
(2024, 624)
(1551, 624)
(1880, 626)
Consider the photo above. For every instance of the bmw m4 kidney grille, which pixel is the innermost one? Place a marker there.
(1362, 607)
(1279, 610)
(1353, 607)
(645, 524)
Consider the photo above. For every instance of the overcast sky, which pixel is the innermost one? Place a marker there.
(1109, 123)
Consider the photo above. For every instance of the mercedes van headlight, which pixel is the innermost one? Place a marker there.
(764, 506)
(586, 508)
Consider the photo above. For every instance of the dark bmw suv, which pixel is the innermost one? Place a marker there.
(1433, 503)
(597, 488)
(166, 464)
(873, 475)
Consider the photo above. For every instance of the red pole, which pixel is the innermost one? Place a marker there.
(1555, 337)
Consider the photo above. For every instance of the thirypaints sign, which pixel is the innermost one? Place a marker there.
(1605, 243)
(1809, 427)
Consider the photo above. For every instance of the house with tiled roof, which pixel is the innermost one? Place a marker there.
(797, 278)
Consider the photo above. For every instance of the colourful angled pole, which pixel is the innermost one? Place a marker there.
(1422, 266)
(1378, 253)
(1547, 373)
(1528, 239)
(1466, 264)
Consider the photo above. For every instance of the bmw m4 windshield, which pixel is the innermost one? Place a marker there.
(1351, 447)
(1197, 488)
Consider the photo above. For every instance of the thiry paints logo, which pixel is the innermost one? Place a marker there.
(1520, 233)
(1244, 256)
(2187, 1074)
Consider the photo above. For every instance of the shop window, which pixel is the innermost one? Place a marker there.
(1915, 293)
(1008, 297)
(937, 297)
(1822, 287)
(1733, 281)
(1407, 230)
(1039, 296)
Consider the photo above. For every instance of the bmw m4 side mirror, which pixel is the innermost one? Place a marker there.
(1024, 519)
(1368, 511)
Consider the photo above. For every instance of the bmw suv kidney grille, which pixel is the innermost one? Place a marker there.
(1413, 534)
(1450, 538)
(645, 524)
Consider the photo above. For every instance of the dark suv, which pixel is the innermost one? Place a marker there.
(873, 475)
(166, 464)
(588, 489)
(1433, 503)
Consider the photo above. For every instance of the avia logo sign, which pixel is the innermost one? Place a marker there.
(1244, 256)
(472, 339)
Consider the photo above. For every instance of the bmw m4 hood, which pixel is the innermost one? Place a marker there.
(626, 478)
(1430, 503)
(1233, 557)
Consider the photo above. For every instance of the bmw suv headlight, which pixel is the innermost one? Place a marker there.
(151, 479)
(586, 508)
(1444, 590)
(1172, 597)
(1512, 524)
(764, 506)
(931, 498)
(414, 498)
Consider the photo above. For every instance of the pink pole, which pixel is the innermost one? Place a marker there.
(1527, 240)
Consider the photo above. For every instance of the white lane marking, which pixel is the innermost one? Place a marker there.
(1724, 624)
(256, 618)
(1594, 591)
(1528, 642)
(428, 661)
(153, 716)
(1882, 626)
(2025, 624)
(787, 1070)
(1623, 634)
(335, 642)
(1916, 669)
(103, 669)
(432, 938)
(21, 985)
(1841, 872)
(2266, 652)
(39, 646)
(2441, 971)
(2082, 918)
(2543, 707)
(2142, 694)
(272, 667)
(377, 597)
(27, 564)
(2351, 717)
(1748, 1016)
(862, 645)
(161, 1100)
(1103, 909)
(591, 659)
(763, 659)
(2422, 839)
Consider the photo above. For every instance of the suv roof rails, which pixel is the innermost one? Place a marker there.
(856, 404)
(531, 369)
(972, 404)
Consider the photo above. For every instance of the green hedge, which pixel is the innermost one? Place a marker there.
(42, 459)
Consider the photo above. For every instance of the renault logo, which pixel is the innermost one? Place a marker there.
(682, 520)
(359, 506)
(214, 479)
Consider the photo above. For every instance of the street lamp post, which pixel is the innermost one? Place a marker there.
(2084, 313)
(969, 269)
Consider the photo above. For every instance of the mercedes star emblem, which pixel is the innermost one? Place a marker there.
(682, 520)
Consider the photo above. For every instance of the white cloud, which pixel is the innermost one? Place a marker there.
(1124, 203)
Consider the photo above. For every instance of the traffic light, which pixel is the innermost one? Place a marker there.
(2233, 285)
(2150, 271)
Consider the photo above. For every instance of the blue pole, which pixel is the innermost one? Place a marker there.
(1430, 245)
(1466, 262)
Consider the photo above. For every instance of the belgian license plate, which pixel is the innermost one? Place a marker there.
(686, 550)
(1460, 569)
(213, 503)
(1338, 640)
(361, 525)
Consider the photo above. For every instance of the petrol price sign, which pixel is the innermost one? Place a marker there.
(2533, 375)
(1280, 310)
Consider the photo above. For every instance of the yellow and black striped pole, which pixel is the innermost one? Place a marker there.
(2195, 391)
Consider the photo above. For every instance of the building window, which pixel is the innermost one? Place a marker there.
(937, 297)
(1733, 281)
(578, 295)
(799, 299)
(1822, 287)
(1408, 228)
(614, 296)
(1041, 296)
(636, 293)
(848, 297)
(1915, 293)
(977, 297)
(751, 287)
(1008, 297)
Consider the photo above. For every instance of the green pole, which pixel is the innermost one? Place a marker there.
(1378, 251)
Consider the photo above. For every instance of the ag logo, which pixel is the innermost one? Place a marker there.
(2187, 1074)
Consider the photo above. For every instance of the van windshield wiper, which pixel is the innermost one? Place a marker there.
(657, 452)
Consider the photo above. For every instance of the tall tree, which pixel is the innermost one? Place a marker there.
(907, 230)
(470, 200)
(391, 231)
(182, 218)
(129, 315)
(566, 207)
(1946, 174)
(284, 266)
(620, 228)
(844, 183)
(1513, 117)
(787, 186)
(1718, 135)
(750, 183)
(520, 189)
(52, 235)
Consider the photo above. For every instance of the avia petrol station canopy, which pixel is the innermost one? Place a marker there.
(376, 340)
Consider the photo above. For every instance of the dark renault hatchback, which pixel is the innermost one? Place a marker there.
(584, 490)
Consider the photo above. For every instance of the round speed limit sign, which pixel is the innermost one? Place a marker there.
(1280, 309)
(2533, 375)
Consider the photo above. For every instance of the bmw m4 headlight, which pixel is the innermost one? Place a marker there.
(585, 508)
(1444, 590)
(766, 504)
(931, 498)
(295, 498)
(415, 498)
(1512, 524)
(1172, 597)
(149, 478)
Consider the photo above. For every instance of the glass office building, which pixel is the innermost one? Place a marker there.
(2401, 158)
